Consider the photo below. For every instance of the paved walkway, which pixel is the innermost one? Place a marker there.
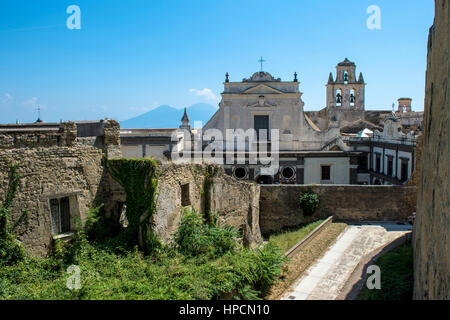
(325, 279)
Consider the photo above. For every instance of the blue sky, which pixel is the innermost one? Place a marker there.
(131, 56)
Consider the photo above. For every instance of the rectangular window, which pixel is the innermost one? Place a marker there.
(262, 123)
(404, 170)
(378, 163)
(185, 198)
(60, 215)
(326, 172)
(362, 163)
(389, 166)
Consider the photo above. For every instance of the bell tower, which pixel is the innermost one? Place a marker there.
(346, 92)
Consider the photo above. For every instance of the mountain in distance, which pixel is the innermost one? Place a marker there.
(169, 117)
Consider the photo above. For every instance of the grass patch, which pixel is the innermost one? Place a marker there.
(289, 237)
(213, 267)
(397, 276)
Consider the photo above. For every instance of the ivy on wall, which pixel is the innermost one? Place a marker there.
(10, 250)
(208, 171)
(139, 179)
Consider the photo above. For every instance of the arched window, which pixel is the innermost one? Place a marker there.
(352, 97)
(338, 97)
(345, 77)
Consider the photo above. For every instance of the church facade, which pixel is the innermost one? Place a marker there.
(266, 115)
(306, 153)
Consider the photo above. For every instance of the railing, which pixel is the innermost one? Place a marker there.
(299, 245)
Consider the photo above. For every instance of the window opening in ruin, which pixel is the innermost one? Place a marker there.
(185, 198)
(60, 215)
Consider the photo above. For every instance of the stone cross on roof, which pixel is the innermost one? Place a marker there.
(261, 60)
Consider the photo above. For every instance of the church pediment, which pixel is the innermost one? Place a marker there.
(261, 89)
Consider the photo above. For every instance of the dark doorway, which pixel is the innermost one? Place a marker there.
(264, 180)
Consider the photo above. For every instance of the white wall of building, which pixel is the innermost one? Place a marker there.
(340, 173)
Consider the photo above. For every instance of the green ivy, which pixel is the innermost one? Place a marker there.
(11, 250)
(209, 171)
(139, 179)
(308, 201)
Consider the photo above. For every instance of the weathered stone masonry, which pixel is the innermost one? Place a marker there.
(279, 206)
(183, 186)
(65, 160)
(432, 226)
(53, 163)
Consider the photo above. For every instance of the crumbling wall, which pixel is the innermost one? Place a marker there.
(236, 203)
(48, 173)
(432, 225)
(52, 163)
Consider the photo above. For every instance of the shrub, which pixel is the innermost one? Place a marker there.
(308, 201)
(206, 263)
(194, 237)
(272, 261)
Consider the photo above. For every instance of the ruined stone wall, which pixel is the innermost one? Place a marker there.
(37, 135)
(279, 206)
(236, 203)
(48, 173)
(432, 225)
(52, 163)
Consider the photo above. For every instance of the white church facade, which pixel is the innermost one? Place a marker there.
(310, 147)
